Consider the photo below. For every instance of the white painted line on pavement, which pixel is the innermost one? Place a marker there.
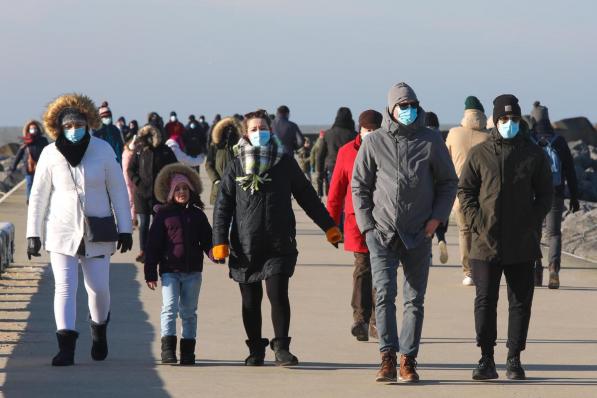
(7, 194)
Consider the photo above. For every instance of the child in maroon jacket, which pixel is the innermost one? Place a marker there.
(178, 238)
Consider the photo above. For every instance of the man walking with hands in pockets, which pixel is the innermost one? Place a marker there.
(403, 187)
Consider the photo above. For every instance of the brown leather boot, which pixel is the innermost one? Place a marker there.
(387, 370)
(408, 369)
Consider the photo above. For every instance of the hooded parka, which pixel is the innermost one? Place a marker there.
(225, 134)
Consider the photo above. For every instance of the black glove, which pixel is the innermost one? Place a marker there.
(574, 205)
(33, 247)
(125, 242)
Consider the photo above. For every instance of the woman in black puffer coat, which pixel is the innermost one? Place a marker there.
(253, 217)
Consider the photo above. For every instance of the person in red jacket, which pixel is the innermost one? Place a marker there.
(340, 198)
(175, 130)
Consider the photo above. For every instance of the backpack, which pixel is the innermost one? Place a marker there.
(194, 143)
(546, 143)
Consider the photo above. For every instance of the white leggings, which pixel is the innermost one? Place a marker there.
(96, 273)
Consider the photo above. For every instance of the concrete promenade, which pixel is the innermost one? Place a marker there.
(561, 357)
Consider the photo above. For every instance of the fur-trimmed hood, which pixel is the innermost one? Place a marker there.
(149, 130)
(80, 102)
(218, 130)
(162, 181)
(474, 119)
(30, 122)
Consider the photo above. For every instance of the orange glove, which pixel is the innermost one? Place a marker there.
(220, 252)
(333, 235)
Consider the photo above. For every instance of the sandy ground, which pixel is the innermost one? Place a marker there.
(561, 357)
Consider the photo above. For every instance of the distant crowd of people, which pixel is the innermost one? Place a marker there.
(392, 180)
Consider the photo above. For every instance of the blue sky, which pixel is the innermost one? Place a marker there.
(207, 57)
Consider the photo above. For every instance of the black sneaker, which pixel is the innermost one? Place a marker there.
(485, 370)
(514, 370)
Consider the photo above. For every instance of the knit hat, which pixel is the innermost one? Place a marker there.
(400, 92)
(539, 113)
(370, 119)
(178, 179)
(104, 110)
(505, 105)
(172, 113)
(431, 120)
(472, 102)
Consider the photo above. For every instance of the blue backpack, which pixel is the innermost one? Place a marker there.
(546, 143)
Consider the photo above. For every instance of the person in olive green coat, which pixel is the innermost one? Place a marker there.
(224, 136)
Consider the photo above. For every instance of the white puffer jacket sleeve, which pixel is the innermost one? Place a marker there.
(182, 157)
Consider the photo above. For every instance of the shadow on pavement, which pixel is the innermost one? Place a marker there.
(129, 370)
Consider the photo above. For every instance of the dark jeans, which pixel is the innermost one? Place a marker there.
(277, 291)
(144, 222)
(363, 307)
(553, 231)
(520, 282)
(323, 182)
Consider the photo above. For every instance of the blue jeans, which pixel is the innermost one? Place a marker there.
(384, 268)
(180, 294)
(28, 184)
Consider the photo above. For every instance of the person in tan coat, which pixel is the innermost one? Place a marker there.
(460, 140)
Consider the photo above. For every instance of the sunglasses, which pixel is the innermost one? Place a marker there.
(408, 105)
(260, 114)
(504, 119)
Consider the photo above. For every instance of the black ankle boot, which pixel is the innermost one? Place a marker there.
(485, 370)
(514, 370)
(67, 341)
(169, 349)
(256, 352)
(187, 351)
(281, 347)
(99, 347)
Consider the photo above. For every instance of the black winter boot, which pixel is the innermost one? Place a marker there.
(67, 341)
(256, 352)
(187, 351)
(169, 349)
(514, 370)
(281, 347)
(99, 347)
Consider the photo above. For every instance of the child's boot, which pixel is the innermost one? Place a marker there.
(187, 351)
(169, 349)
(281, 347)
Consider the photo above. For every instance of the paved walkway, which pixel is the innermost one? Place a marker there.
(561, 359)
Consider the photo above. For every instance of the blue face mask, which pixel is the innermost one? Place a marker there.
(408, 115)
(74, 135)
(509, 129)
(259, 138)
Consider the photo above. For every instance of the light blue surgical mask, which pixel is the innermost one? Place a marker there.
(259, 138)
(74, 135)
(408, 115)
(107, 120)
(509, 129)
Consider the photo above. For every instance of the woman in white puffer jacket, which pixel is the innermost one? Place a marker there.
(77, 176)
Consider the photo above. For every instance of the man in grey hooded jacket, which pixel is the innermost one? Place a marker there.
(403, 187)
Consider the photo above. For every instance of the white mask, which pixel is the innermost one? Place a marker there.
(172, 118)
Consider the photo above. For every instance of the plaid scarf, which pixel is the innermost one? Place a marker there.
(256, 161)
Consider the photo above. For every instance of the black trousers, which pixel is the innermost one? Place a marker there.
(277, 292)
(520, 282)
